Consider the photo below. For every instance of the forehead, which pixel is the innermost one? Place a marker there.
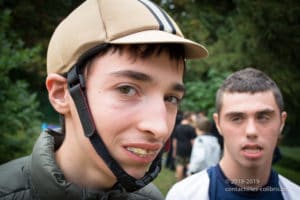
(123, 60)
(248, 102)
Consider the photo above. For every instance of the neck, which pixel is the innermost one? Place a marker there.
(81, 164)
(184, 121)
(199, 132)
(245, 176)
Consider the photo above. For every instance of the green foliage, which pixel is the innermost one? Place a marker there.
(200, 94)
(34, 21)
(19, 116)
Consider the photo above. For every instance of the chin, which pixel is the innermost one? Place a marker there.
(136, 173)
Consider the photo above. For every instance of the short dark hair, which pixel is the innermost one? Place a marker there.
(249, 80)
(203, 124)
(175, 51)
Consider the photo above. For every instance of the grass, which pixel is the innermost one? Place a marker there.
(165, 180)
(291, 152)
(288, 166)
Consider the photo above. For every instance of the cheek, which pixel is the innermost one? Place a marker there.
(271, 135)
(230, 134)
(229, 131)
(105, 114)
(109, 116)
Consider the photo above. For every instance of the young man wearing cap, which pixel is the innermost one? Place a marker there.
(115, 74)
(250, 116)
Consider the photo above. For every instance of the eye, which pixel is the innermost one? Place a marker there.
(236, 119)
(173, 99)
(263, 117)
(127, 90)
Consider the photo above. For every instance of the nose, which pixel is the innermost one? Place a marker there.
(154, 119)
(251, 129)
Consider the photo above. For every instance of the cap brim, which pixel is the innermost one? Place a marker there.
(192, 49)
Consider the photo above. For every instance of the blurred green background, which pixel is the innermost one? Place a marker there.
(237, 33)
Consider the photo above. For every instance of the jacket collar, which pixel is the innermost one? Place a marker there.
(48, 180)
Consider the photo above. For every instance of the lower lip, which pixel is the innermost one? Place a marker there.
(146, 160)
(252, 155)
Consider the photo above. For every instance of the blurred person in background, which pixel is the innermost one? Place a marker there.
(184, 135)
(206, 150)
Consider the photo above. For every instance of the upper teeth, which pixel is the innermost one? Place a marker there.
(253, 150)
(140, 152)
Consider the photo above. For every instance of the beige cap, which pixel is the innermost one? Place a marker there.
(97, 22)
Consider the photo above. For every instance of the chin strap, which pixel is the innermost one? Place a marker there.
(76, 86)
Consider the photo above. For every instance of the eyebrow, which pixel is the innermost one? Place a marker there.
(178, 87)
(230, 114)
(265, 111)
(139, 76)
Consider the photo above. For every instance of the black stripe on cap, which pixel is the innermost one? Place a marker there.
(169, 21)
(164, 22)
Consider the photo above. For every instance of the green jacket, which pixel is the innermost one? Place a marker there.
(37, 177)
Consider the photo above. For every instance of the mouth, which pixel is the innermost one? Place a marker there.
(141, 152)
(252, 149)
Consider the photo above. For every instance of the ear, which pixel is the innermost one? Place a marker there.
(283, 118)
(217, 122)
(58, 92)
